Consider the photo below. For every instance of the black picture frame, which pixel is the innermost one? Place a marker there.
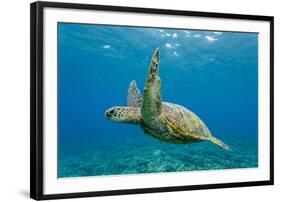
(36, 98)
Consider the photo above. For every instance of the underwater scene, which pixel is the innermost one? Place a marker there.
(212, 74)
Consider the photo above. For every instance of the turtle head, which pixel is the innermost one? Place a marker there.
(124, 114)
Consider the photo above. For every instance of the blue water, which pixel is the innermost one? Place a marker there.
(214, 74)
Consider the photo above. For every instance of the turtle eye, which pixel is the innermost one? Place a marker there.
(109, 113)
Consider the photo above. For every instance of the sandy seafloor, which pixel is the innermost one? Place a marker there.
(142, 157)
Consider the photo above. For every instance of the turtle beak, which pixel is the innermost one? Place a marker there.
(106, 114)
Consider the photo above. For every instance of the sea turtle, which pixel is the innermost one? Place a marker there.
(164, 121)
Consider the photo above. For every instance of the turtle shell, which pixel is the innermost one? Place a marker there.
(184, 123)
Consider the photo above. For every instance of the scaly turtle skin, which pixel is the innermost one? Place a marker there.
(164, 121)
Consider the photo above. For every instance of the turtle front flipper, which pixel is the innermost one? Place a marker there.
(134, 98)
(151, 105)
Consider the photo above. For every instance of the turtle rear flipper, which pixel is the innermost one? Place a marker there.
(220, 143)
